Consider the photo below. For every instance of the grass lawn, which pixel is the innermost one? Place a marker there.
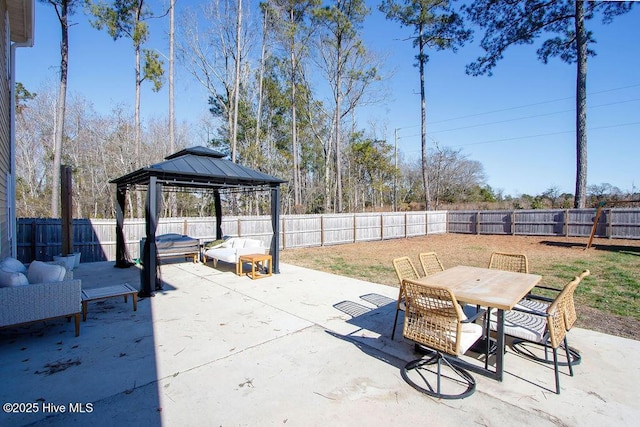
(607, 301)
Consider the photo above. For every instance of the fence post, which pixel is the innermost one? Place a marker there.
(406, 225)
(283, 230)
(566, 223)
(478, 222)
(34, 230)
(513, 223)
(321, 230)
(355, 228)
(609, 224)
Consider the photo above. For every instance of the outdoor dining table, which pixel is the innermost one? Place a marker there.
(489, 288)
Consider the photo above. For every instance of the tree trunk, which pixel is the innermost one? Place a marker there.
(263, 53)
(294, 127)
(60, 109)
(136, 161)
(236, 85)
(173, 204)
(581, 109)
(338, 99)
(423, 133)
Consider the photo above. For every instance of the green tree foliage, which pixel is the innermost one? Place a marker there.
(22, 97)
(126, 18)
(564, 23)
(436, 25)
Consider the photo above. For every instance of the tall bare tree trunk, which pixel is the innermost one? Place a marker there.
(581, 109)
(60, 108)
(136, 161)
(338, 149)
(236, 84)
(173, 205)
(263, 54)
(294, 126)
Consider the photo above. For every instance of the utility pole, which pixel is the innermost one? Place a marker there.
(395, 172)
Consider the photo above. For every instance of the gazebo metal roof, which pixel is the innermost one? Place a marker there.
(199, 167)
(194, 168)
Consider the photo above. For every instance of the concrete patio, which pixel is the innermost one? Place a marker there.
(298, 348)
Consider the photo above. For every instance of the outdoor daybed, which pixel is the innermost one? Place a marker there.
(40, 292)
(174, 245)
(231, 249)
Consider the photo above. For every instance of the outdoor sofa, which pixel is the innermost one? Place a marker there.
(232, 249)
(41, 291)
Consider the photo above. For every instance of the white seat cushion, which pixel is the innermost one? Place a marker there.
(470, 334)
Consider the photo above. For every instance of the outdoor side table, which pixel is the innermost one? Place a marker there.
(256, 260)
(122, 290)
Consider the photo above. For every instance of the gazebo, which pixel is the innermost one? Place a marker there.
(196, 168)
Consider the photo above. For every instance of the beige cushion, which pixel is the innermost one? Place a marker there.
(12, 264)
(40, 272)
(12, 278)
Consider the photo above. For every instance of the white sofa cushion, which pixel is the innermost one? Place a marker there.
(250, 243)
(40, 272)
(230, 250)
(12, 278)
(12, 264)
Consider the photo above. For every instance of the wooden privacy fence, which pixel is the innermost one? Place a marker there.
(619, 223)
(95, 239)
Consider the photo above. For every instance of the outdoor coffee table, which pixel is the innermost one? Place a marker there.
(122, 290)
(256, 260)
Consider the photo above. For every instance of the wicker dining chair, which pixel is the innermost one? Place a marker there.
(434, 319)
(404, 270)
(539, 303)
(430, 263)
(545, 328)
(509, 262)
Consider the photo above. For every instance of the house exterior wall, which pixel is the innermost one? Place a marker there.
(5, 133)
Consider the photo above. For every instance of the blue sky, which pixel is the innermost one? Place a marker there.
(519, 123)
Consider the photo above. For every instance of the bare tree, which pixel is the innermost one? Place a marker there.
(216, 57)
(342, 53)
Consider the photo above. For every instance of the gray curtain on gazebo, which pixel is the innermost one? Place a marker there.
(150, 262)
(122, 254)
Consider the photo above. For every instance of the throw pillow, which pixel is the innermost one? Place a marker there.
(215, 244)
(12, 264)
(40, 272)
(250, 243)
(12, 278)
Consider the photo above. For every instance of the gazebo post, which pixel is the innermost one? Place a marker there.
(218, 206)
(275, 223)
(150, 259)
